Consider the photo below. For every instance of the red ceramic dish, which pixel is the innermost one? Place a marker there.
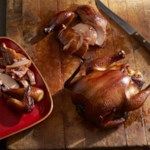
(12, 122)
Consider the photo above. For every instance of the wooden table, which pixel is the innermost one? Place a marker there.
(65, 128)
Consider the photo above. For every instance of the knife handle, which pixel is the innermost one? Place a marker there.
(142, 41)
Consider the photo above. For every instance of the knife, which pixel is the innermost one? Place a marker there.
(123, 24)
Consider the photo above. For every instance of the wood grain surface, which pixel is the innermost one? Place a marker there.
(65, 128)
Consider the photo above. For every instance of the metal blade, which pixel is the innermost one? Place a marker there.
(123, 24)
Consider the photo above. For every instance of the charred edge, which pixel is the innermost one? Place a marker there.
(80, 109)
(125, 115)
(60, 21)
(28, 101)
(139, 82)
(5, 54)
(47, 30)
(148, 87)
(68, 82)
(120, 55)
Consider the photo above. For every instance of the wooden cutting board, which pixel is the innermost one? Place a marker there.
(65, 128)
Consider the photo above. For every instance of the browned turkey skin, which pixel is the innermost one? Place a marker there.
(76, 39)
(108, 91)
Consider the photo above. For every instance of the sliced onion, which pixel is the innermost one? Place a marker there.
(8, 82)
(23, 62)
(89, 16)
(31, 77)
(88, 32)
(100, 25)
(20, 72)
(24, 83)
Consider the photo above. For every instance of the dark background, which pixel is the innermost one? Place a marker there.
(2, 17)
(2, 33)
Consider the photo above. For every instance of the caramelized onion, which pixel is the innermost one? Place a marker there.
(8, 82)
(22, 62)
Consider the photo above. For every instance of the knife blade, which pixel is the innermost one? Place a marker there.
(123, 24)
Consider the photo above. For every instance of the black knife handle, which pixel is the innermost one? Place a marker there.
(142, 41)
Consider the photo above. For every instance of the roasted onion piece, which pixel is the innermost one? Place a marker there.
(105, 96)
(7, 83)
(88, 32)
(26, 104)
(91, 17)
(36, 93)
(17, 80)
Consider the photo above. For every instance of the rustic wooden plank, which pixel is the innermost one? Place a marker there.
(48, 134)
(73, 129)
(142, 56)
(46, 51)
(146, 68)
(96, 137)
(146, 20)
(117, 137)
(135, 129)
(14, 20)
(73, 124)
(65, 128)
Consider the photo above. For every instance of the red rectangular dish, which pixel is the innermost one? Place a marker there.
(12, 122)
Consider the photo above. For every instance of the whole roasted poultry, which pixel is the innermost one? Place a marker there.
(108, 90)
